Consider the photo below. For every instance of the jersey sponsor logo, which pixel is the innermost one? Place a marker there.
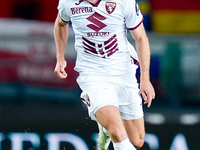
(92, 34)
(96, 19)
(104, 50)
(81, 10)
(110, 6)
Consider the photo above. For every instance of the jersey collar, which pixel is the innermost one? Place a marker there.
(96, 4)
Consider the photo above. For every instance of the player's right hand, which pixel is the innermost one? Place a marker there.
(147, 92)
(60, 69)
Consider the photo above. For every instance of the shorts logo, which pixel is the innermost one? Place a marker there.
(86, 99)
(110, 7)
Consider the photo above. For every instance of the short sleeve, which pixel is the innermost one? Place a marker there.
(133, 15)
(63, 10)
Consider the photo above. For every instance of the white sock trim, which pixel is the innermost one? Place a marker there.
(124, 145)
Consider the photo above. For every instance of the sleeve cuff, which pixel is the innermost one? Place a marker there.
(137, 25)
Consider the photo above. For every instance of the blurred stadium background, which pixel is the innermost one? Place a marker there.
(39, 111)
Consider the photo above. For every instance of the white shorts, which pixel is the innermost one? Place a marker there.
(121, 91)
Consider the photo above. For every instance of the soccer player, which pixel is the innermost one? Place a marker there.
(107, 64)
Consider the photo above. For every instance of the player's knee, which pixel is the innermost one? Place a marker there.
(138, 143)
(116, 135)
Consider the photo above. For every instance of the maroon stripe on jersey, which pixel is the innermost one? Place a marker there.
(114, 47)
(135, 61)
(109, 40)
(86, 50)
(112, 52)
(88, 47)
(111, 44)
(101, 51)
(91, 43)
(99, 45)
(137, 25)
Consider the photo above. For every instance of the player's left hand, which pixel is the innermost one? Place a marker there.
(147, 92)
(60, 69)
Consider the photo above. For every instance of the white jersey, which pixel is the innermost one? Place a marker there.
(100, 34)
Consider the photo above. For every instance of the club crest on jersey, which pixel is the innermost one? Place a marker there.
(110, 6)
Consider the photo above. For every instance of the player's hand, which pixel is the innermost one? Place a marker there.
(60, 69)
(147, 92)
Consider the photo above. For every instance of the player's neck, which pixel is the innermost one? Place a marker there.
(93, 1)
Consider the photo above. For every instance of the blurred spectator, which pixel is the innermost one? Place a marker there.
(27, 9)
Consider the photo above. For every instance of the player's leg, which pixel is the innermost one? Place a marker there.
(102, 101)
(136, 131)
(132, 114)
(109, 117)
(103, 137)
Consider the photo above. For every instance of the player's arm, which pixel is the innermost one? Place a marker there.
(61, 30)
(143, 50)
